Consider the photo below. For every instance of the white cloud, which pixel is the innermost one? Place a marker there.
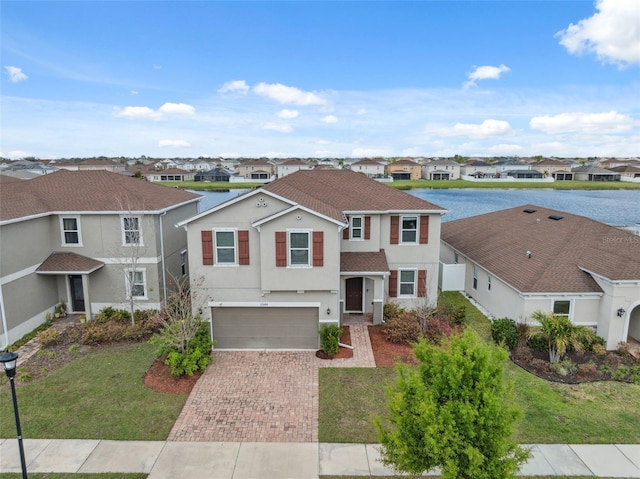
(288, 94)
(16, 74)
(329, 119)
(157, 67)
(612, 34)
(177, 109)
(133, 92)
(578, 122)
(487, 128)
(288, 114)
(137, 112)
(281, 127)
(17, 155)
(235, 86)
(368, 152)
(486, 73)
(173, 143)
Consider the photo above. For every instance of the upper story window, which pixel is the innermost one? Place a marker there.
(409, 229)
(132, 231)
(475, 277)
(356, 227)
(299, 248)
(562, 308)
(225, 247)
(71, 231)
(456, 258)
(407, 282)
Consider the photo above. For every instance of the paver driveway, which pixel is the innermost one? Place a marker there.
(253, 396)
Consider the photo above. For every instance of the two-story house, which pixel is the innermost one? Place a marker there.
(404, 169)
(90, 239)
(441, 170)
(256, 169)
(270, 267)
(370, 168)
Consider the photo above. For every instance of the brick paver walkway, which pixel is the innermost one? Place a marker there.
(248, 396)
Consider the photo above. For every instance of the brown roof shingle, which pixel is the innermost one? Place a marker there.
(98, 191)
(561, 251)
(360, 262)
(63, 262)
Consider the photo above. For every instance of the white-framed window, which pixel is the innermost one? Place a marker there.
(136, 283)
(407, 282)
(489, 282)
(409, 229)
(299, 248)
(70, 227)
(183, 262)
(225, 241)
(357, 226)
(475, 277)
(456, 258)
(562, 307)
(132, 231)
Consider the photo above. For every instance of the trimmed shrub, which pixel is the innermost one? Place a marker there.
(48, 337)
(116, 326)
(196, 358)
(505, 331)
(330, 339)
(564, 367)
(403, 329)
(589, 339)
(456, 313)
(391, 310)
(538, 343)
(440, 328)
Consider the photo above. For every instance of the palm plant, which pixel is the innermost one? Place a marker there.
(561, 334)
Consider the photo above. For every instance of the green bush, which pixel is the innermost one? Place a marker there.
(196, 358)
(505, 331)
(588, 339)
(564, 367)
(48, 337)
(391, 310)
(403, 329)
(457, 313)
(538, 343)
(116, 326)
(330, 339)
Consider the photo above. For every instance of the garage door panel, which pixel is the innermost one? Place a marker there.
(265, 328)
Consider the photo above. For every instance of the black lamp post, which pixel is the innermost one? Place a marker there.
(9, 361)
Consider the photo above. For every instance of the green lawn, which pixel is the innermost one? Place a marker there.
(97, 396)
(600, 413)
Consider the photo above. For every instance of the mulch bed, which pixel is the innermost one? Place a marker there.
(343, 353)
(386, 353)
(160, 379)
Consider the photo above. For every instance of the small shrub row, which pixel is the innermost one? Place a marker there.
(195, 358)
(112, 326)
(404, 328)
(504, 331)
(330, 339)
(48, 337)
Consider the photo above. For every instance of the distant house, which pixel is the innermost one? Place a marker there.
(286, 167)
(478, 169)
(90, 165)
(71, 237)
(594, 173)
(404, 169)
(369, 168)
(255, 169)
(627, 171)
(549, 166)
(272, 266)
(171, 174)
(505, 166)
(441, 170)
(217, 174)
(26, 169)
(516, 261)
(521, 174)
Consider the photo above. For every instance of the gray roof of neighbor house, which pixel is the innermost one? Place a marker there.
(98, 191)
(333, 192)
(564, 250)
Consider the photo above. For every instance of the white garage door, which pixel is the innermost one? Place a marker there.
(269, 328)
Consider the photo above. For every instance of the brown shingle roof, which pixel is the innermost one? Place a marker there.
(561, 250)
(60, 262)
(86, 191)
(332, 192)
(370, 262)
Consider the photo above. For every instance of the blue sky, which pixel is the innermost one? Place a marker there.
(320, 79)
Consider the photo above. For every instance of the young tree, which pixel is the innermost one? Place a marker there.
(453, 411)
(560, 332)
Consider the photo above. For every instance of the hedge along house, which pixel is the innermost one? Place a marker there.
(516, 261)
(270, 267)
(90, 239)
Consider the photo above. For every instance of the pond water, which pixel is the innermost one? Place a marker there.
(613, 207)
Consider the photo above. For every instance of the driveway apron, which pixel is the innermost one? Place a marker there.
(253, 396)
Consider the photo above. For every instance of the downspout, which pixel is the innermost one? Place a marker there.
(164, 273)
(5, 328)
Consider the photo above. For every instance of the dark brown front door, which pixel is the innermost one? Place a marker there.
(77, 293)
(354, 294)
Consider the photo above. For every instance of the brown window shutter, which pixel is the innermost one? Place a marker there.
(422, 283)
(243, 247)
(207, 247)
(395, 230)
(424, 229)
(367, 227)
(393, 284)
(281, 248)
(318, 248)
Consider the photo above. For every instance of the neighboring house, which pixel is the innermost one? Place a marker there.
(272, 266)
(287, 167)
(255, 169)
(171, 174)
(521, 174)
(404, 170)
(90, 165)
(369, 168)
(217, 174)
(25, 170)
(478, 169)
(549, 167)
(83, 238)
(502, 168)
(516, 261)
(627, 171)
(594, 173)
(441, 170)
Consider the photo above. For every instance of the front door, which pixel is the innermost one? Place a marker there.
(354, 295)
(77, 293)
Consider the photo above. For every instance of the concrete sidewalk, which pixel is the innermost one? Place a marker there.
(255, 460)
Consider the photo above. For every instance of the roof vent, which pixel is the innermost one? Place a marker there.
(529, 210)
(555, 217)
